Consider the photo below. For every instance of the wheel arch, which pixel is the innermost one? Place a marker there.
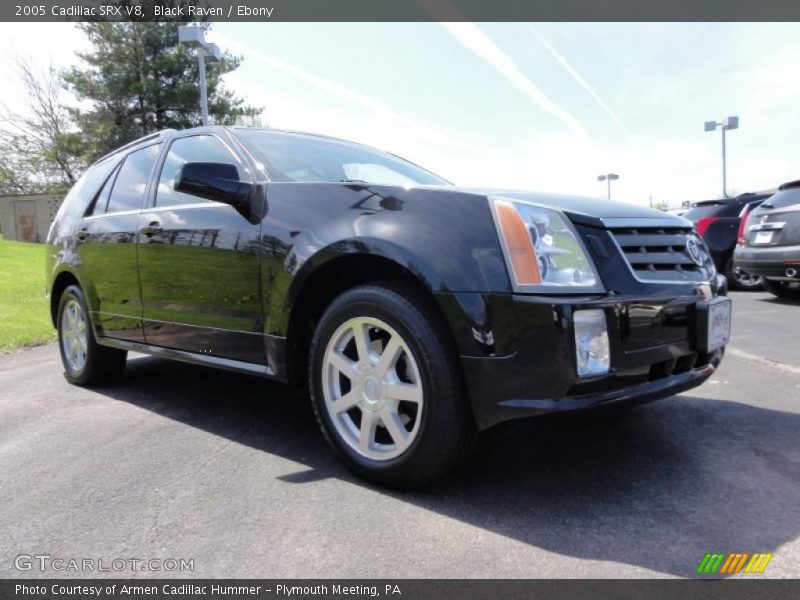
(329, 274)
(62, 281)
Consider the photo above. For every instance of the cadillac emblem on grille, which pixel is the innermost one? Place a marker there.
(695, 251)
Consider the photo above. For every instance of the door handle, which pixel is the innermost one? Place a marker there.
(151, 229)
(81, 235)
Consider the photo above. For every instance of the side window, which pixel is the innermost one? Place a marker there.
(197, 148)
(131, 181)
(101, 201)
(75, 203)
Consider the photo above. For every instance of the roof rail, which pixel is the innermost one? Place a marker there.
(789, 185)
(146, 138)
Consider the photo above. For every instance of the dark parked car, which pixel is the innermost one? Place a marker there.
(418, 313)
(771, 242)
(719, 222)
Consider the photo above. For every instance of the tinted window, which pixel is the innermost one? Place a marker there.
(101, 202)
(783, 199)
(83, 191)
(297, 157)
(197, 148)
(131, 181)
(713, 209)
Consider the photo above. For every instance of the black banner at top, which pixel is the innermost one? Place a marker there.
(400, 10)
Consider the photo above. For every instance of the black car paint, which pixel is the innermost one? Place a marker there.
(517, 350)
(721, 235)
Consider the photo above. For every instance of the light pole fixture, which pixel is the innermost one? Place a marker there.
(729, 123)
(609, 177)
(191, 35)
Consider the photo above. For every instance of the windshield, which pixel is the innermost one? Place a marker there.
(306, 158)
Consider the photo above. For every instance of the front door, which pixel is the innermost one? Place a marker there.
(198, 265)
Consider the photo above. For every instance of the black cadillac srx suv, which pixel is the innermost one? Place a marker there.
(417, 312)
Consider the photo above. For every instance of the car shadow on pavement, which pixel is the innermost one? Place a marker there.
(783, 301)
(655, 486)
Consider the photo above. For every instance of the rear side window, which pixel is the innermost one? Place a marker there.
(83, 191)
(131, 181)
(783, 199)
(713, 209)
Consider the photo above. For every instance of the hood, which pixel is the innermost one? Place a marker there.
(591, 211)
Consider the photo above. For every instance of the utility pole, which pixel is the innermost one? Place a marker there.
(608, 177)
(729, 123)
(194, 36)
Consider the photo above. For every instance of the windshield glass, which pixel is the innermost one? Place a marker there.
(306, 158)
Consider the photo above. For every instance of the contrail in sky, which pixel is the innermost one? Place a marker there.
(336, 89)
(583, 83)
(483, 47)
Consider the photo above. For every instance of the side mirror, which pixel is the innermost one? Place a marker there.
(215, 181)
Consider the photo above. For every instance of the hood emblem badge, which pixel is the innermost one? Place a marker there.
(695, 252)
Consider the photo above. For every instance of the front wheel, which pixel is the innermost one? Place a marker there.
(783, 289)
(85, 361)
(386, 386)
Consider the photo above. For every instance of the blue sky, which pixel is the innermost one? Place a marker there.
(538, 106)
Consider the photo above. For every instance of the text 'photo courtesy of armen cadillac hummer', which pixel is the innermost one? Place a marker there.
(417, 313)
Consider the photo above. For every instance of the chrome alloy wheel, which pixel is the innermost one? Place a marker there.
(74, 336)
(372, 388)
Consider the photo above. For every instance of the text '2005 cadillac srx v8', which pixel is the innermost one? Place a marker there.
(416, 312)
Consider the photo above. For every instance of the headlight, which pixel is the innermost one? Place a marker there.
(541, 248)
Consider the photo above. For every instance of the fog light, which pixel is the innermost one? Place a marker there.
(592, 354)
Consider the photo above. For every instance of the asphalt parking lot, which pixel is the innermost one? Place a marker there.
(177, 461)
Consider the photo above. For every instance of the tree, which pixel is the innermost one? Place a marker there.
(140, 80)
(39, 148)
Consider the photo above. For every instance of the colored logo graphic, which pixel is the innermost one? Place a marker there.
(730, 564)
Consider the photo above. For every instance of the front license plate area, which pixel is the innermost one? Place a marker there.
(713, 324)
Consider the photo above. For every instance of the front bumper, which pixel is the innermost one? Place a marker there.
(518, 355)
(769, 261)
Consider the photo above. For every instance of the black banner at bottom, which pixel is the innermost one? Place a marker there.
(405, 589)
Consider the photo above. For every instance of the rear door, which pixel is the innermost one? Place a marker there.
(198, 263)
(107, 247)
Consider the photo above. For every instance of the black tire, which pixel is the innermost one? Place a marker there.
(783, 289)
(446, 431)
(102, 364)
(740, 283)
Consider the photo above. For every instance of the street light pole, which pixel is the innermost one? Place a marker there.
(201, 63)
(608, 177)
(729, 123)
(196, 36)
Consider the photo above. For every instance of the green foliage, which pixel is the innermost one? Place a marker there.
(139, 80)
(39, 149)
(23, 305)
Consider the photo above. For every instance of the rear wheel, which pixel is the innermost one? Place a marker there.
(386, 386)
(739, 280)
(783, 289)
(85, 361)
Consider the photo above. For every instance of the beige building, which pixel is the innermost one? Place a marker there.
(27, 218)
